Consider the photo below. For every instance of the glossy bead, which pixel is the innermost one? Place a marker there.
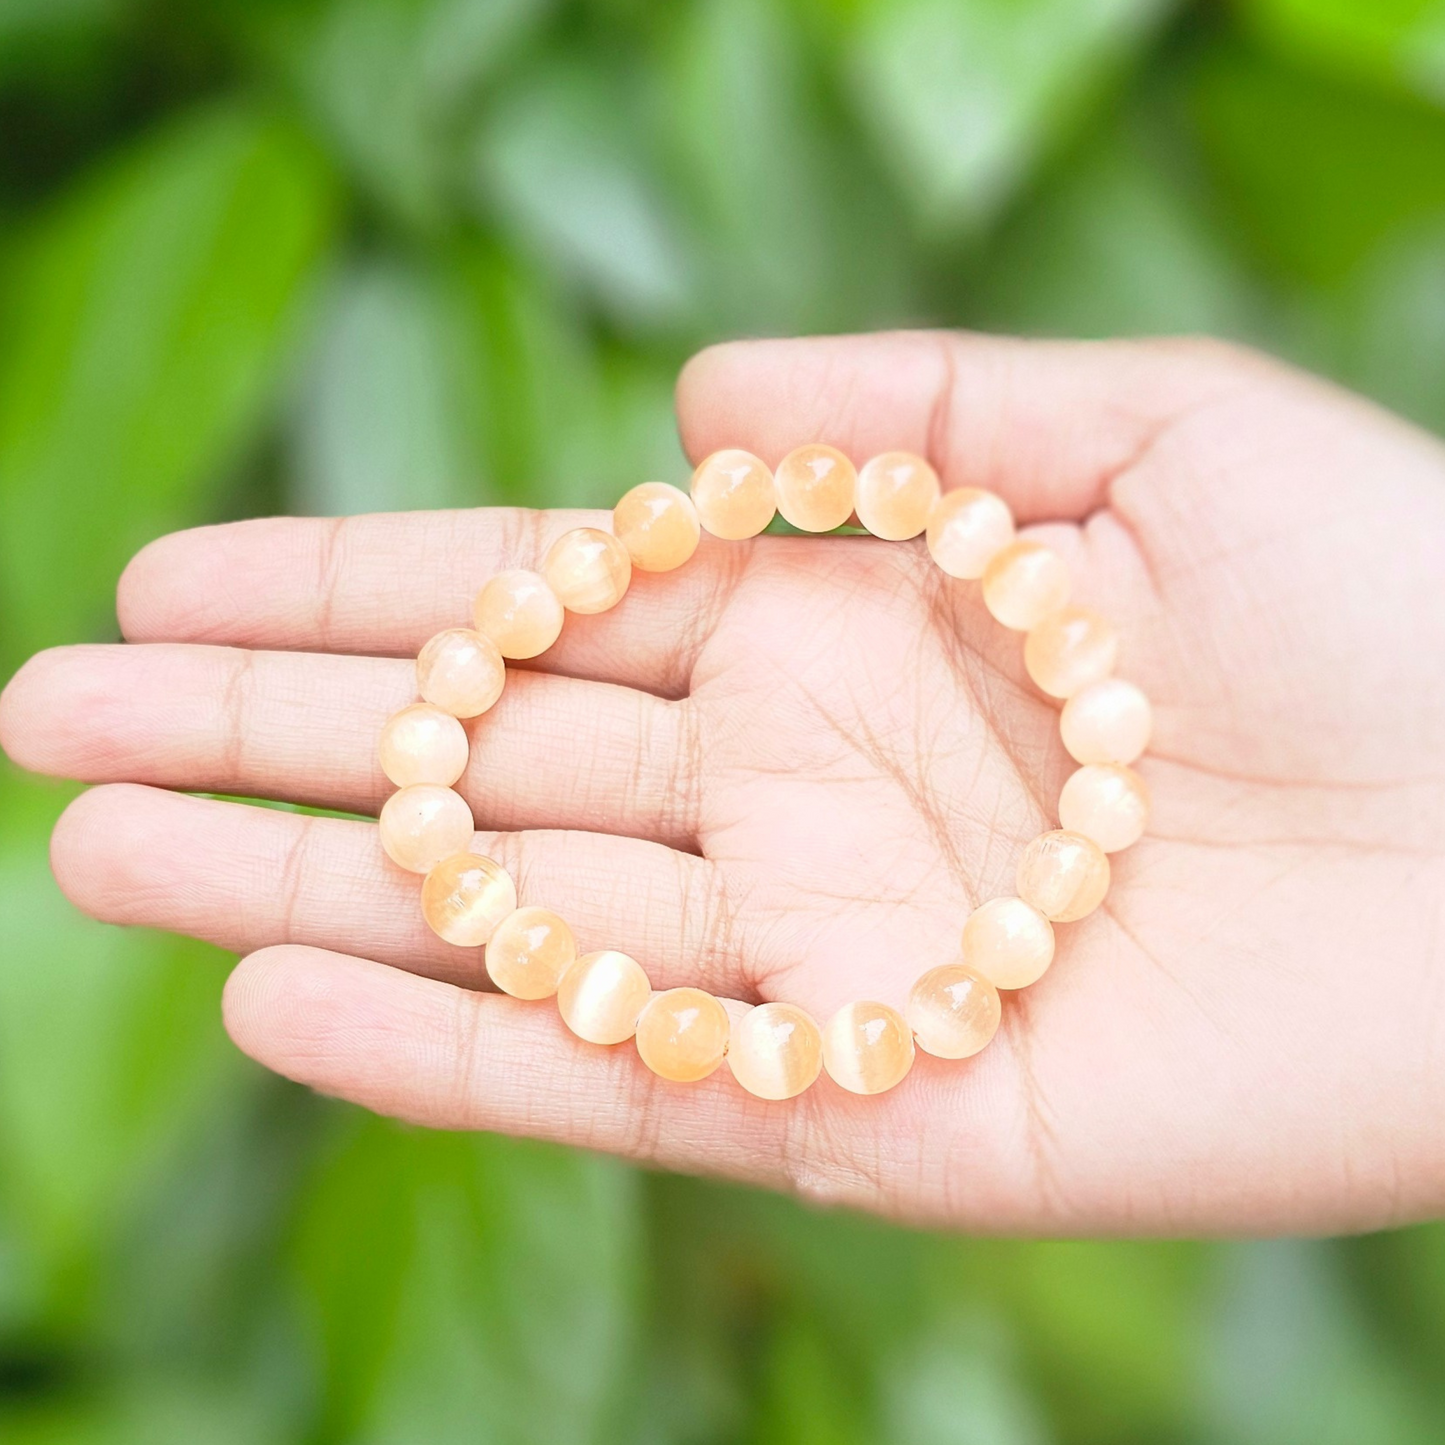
(422, 744)
(867, 1047)
(816, 487)
(601, 995)
(465, 897)
(588, 570)
(682, 1034)
(461, 672)
(968, 528)
(776, 1051)
(1026, 583)
(658, 525)
(1106, 802)
(897, 493)
(1107, 722)
(733, 493)
(423, 824)
(519, 612)
(1070, 650)
(1064, 875)
(1009, 942)
(953, 1011)
(529, 951)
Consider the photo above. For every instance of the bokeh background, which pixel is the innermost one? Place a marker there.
(356, 254)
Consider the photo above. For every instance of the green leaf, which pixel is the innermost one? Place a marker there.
(392, 82)
(145, 320)
(387, 414)
(111, 1051)
(1289, 1360)
(965, 96)
(561, 164)
(1317, 174)
(564, 422)
(469, 1287)
(790, 231)
(1115, 244)
(161, 1412)
(1399, 43)
(954, 1380)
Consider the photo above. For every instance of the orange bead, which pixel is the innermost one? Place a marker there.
(1107, 722)
(465, 897)
(776, 1051)
(953, 1011)
(816, 487)
(1064, 875)
(588, 570)
(867, 1047)
(733, 493)
(968, 528)
(1026, 583)
(658, 525)
(601, 995)
(423, 744)
(519, 612)
(1106, 802)
(529, 952)
(897, 493)
(1069, 650)
(423, 824)
(461, 672)
(682, 1034)
(1009, 942)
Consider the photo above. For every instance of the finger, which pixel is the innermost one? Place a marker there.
(444, 1057)
(385, 583)
(246, 877)
(1046, 424)
(553, 753)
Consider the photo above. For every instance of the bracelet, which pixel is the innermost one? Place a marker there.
(774, 1050)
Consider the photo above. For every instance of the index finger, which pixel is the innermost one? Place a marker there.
(1048, 425)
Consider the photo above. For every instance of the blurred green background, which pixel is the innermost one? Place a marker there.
(355, 254)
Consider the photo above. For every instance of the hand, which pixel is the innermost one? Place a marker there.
(789, 770)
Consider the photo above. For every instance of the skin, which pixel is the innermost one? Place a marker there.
(789, 771)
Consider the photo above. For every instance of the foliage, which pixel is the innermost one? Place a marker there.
(337, 255)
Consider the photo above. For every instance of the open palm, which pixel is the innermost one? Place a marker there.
(790, 770)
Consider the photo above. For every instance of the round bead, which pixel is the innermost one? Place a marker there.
(1009, 942)
(1064, 875)
(461, 672)
(1107, 722)
(1106, 802)
(601, 995)
(465, 897)
(423, 824)
(733, 493)
(1026, 583)
(1070, 650)
(529, 951)
(682, 1034)
(588, 570)
(658, 525)
(816, 488)
(867, 1047)
(775, 1051)
(519, 612)
(953, 1011)
(967, 528)
(897, 493)
(422, 744)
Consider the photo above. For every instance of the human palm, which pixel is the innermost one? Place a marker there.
(790, 770)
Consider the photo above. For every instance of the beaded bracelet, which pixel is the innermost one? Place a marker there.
(775, 1050)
